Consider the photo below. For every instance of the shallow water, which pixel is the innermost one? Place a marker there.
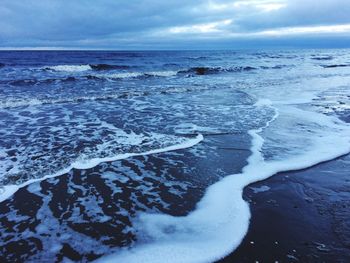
(112, 153)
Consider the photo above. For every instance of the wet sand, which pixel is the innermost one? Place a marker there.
(301, 216)
(85, 214)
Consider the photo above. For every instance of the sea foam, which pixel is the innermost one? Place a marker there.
(8, 190)
(70, 68)
(221, 219)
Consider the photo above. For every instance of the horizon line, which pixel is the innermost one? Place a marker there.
(160, 49)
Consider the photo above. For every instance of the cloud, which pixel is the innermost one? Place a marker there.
(213, 27)
(165, 24)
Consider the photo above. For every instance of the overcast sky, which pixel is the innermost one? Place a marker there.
(173, 24)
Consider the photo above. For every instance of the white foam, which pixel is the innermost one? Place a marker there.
(220, 221)
(126, 75)
(8, 190)
(122, 75)
(169, 73)
(13, 103)
(260, 189)
(70, 68)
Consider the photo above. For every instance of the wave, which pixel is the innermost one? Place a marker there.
(14, 103)
(172, 65)
(277, 67)
(107, 66)
(171, 73)
(322, 58)
(32, 82)
(215, 70)
(100, 67)
(131, 75)
(137, 74)
(69, 68)
(125, 75)
(101, 77)
(134, 75)
(87, 67)
(23, 82)
(274, 56)
(336, 66)
(197, 58)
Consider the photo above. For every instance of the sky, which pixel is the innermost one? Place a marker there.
(173, 24)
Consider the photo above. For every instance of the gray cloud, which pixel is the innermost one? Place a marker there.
(147, 24)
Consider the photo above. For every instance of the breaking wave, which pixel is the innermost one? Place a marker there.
(14, 102)
(322, 58)
(81, 68)
(215, 70)
(108, 66)
(69, 68)
(336, 66)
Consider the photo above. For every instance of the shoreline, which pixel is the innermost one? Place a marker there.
(10, 190)
(299, 216)
(264, 197)
(95, 207)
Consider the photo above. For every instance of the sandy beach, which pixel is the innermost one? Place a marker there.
(152, 155)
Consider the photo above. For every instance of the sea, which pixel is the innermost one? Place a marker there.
(142, 156)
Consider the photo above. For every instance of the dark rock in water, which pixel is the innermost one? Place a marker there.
(2, 65)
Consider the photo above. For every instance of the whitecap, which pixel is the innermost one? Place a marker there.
(70, 68)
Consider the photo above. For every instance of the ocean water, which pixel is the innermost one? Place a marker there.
(143, 156)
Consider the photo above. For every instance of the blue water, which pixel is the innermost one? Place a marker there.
(58, 107)
(76, 109)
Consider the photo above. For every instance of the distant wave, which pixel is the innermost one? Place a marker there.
(107, 66)
(215, 70)
(124, 75)
(170, 73)
(322, 58)
(112, 75)
(171, 64)
(101, 67)
(14, 102)
(197, 58)
(22, 82)
(69, 68)
(101, 77)
(274, 56)
(276, 67)
(336, 66)
(32, 82)
(81, 68)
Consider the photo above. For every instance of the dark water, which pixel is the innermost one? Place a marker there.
(77, 115)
